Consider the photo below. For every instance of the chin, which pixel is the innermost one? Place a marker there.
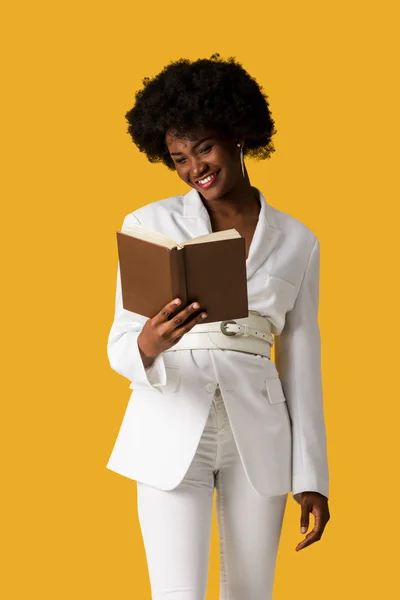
(213, 194)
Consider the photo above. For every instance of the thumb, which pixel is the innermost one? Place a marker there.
(304, 519)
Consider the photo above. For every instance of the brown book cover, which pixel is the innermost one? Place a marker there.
(156, 270)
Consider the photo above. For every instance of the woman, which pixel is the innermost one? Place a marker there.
(209, 409)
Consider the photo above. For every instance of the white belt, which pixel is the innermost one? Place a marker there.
(249, 334)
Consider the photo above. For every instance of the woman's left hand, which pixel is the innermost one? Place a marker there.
(317, 504)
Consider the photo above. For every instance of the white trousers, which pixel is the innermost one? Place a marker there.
(176, 524)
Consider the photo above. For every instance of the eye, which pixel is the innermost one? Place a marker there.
(206, 148)
(203, 150)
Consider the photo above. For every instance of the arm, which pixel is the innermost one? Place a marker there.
(298, 360)
(122, 348)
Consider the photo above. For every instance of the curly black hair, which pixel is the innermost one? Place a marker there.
(201, 94)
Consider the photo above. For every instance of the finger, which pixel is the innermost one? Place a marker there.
(304, 518)
(167, 310)
(311, 538)
(314, 535)
(182, 318)
(187, 326)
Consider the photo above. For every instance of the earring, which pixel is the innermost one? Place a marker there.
(241, 158)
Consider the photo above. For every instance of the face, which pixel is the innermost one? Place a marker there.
(206, 160)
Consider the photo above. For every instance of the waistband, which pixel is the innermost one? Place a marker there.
(250, 334)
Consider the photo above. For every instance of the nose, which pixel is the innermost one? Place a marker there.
(197, 169)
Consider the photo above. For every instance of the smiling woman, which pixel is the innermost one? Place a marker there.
(261, 434)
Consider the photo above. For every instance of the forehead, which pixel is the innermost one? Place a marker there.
(189, 138)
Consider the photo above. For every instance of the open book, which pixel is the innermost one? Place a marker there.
(209, 269)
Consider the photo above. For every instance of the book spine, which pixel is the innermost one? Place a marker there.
(178, 276)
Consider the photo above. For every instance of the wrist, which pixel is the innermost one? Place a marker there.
(147, 359)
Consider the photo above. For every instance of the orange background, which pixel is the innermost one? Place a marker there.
(71, 173)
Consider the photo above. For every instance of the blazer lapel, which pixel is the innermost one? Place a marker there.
(195, 221)
(264, 239)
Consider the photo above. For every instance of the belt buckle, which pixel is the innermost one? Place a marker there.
(223, 325)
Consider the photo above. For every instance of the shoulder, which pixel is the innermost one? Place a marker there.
(297, 239)
(297, 245)
(292, 227)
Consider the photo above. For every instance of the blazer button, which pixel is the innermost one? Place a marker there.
(210, 387)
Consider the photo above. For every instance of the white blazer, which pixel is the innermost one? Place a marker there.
(275, 410)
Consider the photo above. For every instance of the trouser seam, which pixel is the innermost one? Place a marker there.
(223, 558)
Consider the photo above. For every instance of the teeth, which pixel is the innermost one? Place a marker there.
(207, 179)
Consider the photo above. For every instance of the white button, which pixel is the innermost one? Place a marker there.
(210, 387)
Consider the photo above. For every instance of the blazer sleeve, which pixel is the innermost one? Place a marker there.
(122, 348)
(298, 360)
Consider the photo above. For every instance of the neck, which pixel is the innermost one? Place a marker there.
(242, 200)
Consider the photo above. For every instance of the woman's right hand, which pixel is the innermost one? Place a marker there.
(160, 333)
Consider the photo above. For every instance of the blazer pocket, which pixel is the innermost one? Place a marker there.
(279, 297)
(281, 290)
(274, 390)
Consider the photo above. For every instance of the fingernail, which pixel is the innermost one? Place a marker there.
(203, 316)
(196, 305)
(303, 529)
(177, 301)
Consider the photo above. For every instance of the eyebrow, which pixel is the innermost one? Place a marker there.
(194, 146)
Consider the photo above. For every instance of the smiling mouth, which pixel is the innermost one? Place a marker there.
(208, 180)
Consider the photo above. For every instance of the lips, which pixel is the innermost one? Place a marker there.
(210, 182)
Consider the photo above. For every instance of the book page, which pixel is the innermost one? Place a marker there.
(142, 233)
(162, 240)
(216, 236)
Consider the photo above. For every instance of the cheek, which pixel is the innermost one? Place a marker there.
(180, 171)
(223, 158)
(216, 159)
